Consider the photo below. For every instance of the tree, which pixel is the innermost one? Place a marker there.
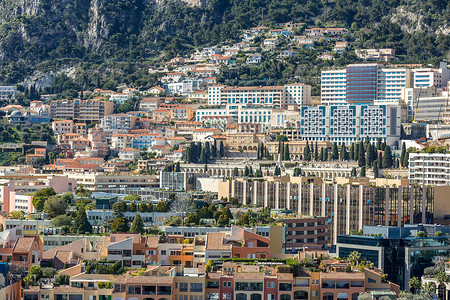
(213, 149)
(67, 197)
(352, 151)
(361, 155)
(402, 155)
(244, 220)
(421, 234)
(363, 171)
(223, 220)
(307, 152)
(119, 225)
(442, 278)
(81, 223)
(354, 257)
(334, 152)
(387, 158)
(277, 171)
(122, 206)
(62, 220)
(55, 206)
(235, 172)
(137, 226)
(375, 169)
(353, 173)
(282, 138)
(132, 207)
(286, 152)
(192, 219)
(17, 214)
(344, 153)
(62, 280)
(414, 284)
(221, 149)
(41, 196)
(48, 272)
(83, 192)
(316, 153)
(370, 155)
(177, 167)
(143, 207)
(405, 161)
(162, 206)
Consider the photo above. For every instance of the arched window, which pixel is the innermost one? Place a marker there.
(241, 296)
(285, 297)
(256, 297)
(301, 295)
(328, 296)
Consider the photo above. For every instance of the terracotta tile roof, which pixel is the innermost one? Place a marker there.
(129, 149)
(214, 241)
(342, 275)
(23, 245)
(247, 276)
(152, 241)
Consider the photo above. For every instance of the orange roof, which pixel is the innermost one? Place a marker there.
(215, 241)
(23, 244)
(129, 149)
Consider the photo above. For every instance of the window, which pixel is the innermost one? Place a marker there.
(134, 289)
(196, 287)
(285, 287)
(163, 252)
(183, 287)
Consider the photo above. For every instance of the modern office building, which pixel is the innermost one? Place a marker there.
(306, 232)
(364, 84)
(429, 168)
(81, 110)
(266, 96)
(347, 124)
(395, 250)
(348, 207)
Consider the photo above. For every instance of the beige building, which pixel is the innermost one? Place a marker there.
(81, 110)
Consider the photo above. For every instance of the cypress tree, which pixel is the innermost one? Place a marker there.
(375, 169)
(387, 158)
(402, 155)
(316, 153)
(258, 152)
(322, 154)
(353, 174)
(406, 160)
(334, 152)
(370, 157)
(380, 161)
(137, 226)
(325, 156)
(307, 152)
(287, 155)
(356, 153)
(361, 156)
(352, 151)
(246, 171)
(177, 167)
(214, 149)
(363, 171)
(221, 149)
(343, 154)
(379, 144)
(207, 147)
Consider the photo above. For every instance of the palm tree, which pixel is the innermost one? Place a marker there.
(414, 284)
(354, 257)
(442, 280)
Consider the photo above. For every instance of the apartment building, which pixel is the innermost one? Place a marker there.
(348, 207)
(241, 113)
(376, 54)
(347, 124)
(115, 183)
(228, 280)
(118, 122)
(306, 232)
(81, 110)
(266, 96)
(8, 92)
(364, 84)
(149, 104)
(63, 126)
(429, 168)
(426, 77)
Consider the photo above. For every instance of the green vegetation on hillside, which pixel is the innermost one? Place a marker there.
(139, 33)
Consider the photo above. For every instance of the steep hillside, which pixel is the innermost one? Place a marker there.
(47, 34)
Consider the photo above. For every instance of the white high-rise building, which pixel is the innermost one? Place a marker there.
(429, 168)
(333, 87)
(431, 76)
